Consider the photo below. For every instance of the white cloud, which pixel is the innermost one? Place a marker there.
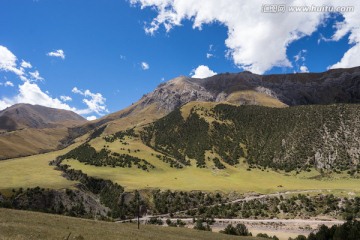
(256, 41)
(25, 64)
(65, 98)
(300, 56)
(145, 66)
(31, 93)
(94, 101)
(324, 39)
(76, 90)
(28, 92)
(36, 76)
(57, 53)
(91, 118)
(3, 105)
(350, 59)
(8, 62)
(8, 84)
(304, 69)
(210, 53)
(202, 72)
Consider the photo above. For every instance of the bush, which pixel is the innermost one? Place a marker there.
(239, 230)
(200, 226)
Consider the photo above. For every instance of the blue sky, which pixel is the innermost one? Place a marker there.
(105, 54)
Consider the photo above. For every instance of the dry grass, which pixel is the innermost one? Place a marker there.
(132, 116)
(30, 141)
(254, 98)
(19, 225)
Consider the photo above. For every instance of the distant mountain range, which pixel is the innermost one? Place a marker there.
(277, 91)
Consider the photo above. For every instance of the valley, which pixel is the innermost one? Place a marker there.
(241, 154)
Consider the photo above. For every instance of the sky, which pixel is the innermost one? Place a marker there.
(95, 57)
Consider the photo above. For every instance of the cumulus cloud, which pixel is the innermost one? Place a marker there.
(256, 41)
(91, 118)
(209, 55)
(4, 105)
(145, 66)
(25, 64)
(65, 98)
(95, 102)
(57, 53)
(8, 84)
(304, 69)
(36, 76)
(31, 93)
(202, 71)
(28, 92)
(8, 62)
(350, 58)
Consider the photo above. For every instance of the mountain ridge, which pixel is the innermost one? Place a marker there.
(23, 115)
(244, 88)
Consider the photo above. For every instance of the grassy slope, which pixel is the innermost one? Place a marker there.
(254, 98)
(30, 141)
(192, 178)
(18, 225)
(234, 179)
(33, 171)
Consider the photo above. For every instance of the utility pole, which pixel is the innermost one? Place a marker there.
(138, 209)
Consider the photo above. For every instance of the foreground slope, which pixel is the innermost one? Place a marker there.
(20, 225)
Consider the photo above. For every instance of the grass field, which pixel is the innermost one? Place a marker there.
(191, 178)
(18, 225)
(239, 180)
(31, 172)
(34, 171)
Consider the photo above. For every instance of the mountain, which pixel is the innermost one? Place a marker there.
(245, 88)
(20, 116)
(29, 129)
(286, 121)
(217, 135)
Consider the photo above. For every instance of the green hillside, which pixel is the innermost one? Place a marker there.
(325, 137)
